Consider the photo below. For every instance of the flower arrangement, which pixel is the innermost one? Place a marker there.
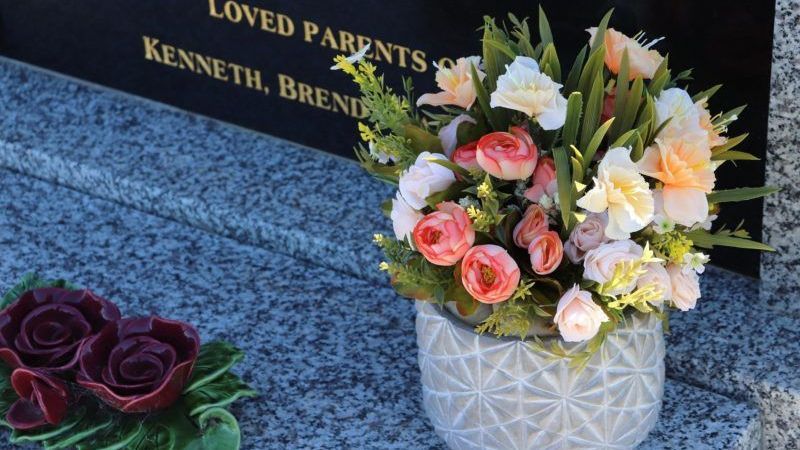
(75, 373)
(540, 199)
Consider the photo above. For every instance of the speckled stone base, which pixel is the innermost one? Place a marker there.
(333, 356)
(779, 270)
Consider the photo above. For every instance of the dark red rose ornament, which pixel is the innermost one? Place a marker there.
(45, 327)
(43, 400)
(139, 365)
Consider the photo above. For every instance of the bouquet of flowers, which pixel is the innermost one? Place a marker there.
(543, 199)
(75, 374)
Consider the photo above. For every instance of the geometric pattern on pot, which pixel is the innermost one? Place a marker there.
(481, 392)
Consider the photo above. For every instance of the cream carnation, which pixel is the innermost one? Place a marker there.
(425, 178)
(620, 189)
(525, 88)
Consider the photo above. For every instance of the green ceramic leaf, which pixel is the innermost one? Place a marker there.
(220, 431)
(48, 432)
(215, 359)
(117, 437)
(741, 194)
(90, 425)
(31, 281)
(220, 392)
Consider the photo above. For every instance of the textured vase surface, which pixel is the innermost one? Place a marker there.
(481, 392)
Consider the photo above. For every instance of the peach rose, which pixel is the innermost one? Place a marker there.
(642, 61)
(546, 252)
(508, 156)
(456, 84)
(587, 235)
(578, 317)
(686, 171)
(685, 287)
(489, 273)
(444, 236)
(544, 180)
(599, 264)
(464, 156)
(534, 222)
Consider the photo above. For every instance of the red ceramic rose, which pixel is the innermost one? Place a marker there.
(139, 365)
(45, 327)
(43, 400)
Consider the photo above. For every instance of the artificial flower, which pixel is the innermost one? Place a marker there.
(404, 218)
(642, 60)
(546, 252)
(544, 180)
(534, 222)
(676, 106)
(489, 273)
(508, 156)
(696, 262)
(43, 399)
(448, 134)
(621, 190)
(662, 224)
(466, 156)
(656, 275)
(458, 88)
(587, 235)
(684, 167)
(525, 88)
(139, 365)
(445, 235)
(603, 264)
(354, 58)
(44, 328)
(425, 178)
(685, 287)
(578, 317)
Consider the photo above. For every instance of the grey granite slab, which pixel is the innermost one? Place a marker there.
(333, 356)
(782, 211)
(252, 187)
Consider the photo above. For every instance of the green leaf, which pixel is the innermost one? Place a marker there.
(593, 66)
(49, 431)
(627, 117)
(118, 437)
(91, 424)
(729, 144)
(741, 194)
(453, 192)
(575, 72)
(623, 84)
(545, 35)
(465, 303)
(28, 282)
(221, 392)
(729, 116)
(220, 431)
(421, 140)
(550, 62)
(625, 140)
(572, 123)
(707, 94)
(704, 239)
(564, 181)
(660, 78)
(733, 155)
(591, 114)
(600, 36)
(214, 360)
(483, 100)
(594, 144)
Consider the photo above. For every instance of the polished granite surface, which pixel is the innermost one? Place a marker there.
(333, 356)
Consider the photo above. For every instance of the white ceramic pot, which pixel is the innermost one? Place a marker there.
(482, 392)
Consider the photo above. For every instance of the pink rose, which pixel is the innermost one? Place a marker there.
(685, 287)
(587, 235)
(578, 317)
(508, 156)
(534, 222)
(544, 180)
(444, 236)
(546, 252)
(489, 273)
(464, 156)
(656, 276)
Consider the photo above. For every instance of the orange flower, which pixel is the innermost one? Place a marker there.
(546, 252)
(508, 156)
(534, 222)
(444, 236)
(489, 273)
(684, 166)
(642, 61)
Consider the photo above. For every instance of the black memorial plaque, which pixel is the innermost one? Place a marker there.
(264, 64)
